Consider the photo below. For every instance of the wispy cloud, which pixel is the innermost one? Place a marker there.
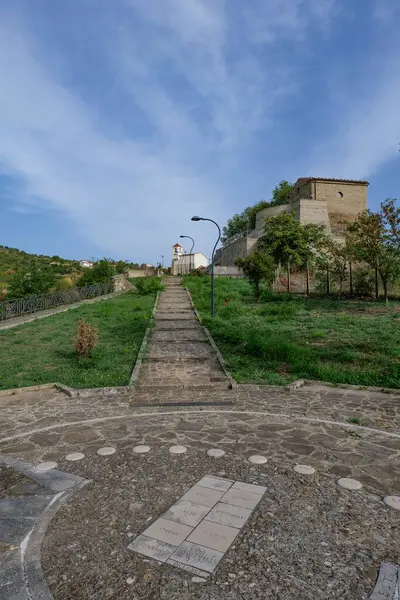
(202, 84)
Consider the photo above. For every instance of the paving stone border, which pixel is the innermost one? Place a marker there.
(21, 564)
(388, 584)
(143, 347)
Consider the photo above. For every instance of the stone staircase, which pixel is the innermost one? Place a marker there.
(179, 354)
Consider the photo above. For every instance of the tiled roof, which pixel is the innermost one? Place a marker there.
(177, 246)
(303, 180)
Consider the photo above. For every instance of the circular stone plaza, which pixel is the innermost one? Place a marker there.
(183, 492)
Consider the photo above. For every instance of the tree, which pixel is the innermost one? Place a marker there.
(375, 239)
(290, 242)
(257, 267)
(281, 193)
(334, 258)
(101, 272)
(121, 267)
(34, 279)
(246, 220)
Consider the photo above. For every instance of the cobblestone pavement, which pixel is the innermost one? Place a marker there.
(179, 354)
(308, 538)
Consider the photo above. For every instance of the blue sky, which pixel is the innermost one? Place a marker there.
(121, 119)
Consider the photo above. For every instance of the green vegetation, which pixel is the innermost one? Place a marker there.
(16, 264)
(246, 220)
(101, 272)
(147, 285)
(43, 351)
(257, 267)
(284, 337)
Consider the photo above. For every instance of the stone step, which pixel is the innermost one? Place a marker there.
(181, 373)
(177, 388)
(177, 336)
(161, 308)
(170, 351)
(175, 324)
(176, 316)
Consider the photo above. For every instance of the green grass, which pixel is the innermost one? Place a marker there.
(42, 351)
(286, 337)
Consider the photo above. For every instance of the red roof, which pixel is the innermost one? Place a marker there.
(303, 180)
(177, 246)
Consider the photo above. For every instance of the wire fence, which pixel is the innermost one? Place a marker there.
(10, 309)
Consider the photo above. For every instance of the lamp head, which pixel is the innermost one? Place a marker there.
(182, 236)
(197, 218)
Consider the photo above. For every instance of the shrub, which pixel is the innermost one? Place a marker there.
(35, 279)
(257, 267)
(199, 273)
(65, 283)
(363, 282)
(86, 338)
(101, 272)
(148, 285)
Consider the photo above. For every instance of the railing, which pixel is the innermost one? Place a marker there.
(10, 309)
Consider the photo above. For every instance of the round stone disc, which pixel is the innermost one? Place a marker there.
(304, 469)
(215, 452)
(392, 501)
(348, 483)
(141, 449)
(178, 449)
(256, 459)
(46, 466)
(75, 456)
(106, 451)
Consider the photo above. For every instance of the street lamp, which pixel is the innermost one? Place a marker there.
(190, 238)
(212, 260)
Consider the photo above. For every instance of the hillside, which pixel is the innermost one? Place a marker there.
(12, 260)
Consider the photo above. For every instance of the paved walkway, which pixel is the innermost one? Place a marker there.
(179, 353)
(136, 455)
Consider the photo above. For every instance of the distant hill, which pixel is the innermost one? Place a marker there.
(12, 260)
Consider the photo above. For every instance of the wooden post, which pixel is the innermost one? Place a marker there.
(351, 278)
(376, 284)
(328, 282)
(288, 276)
(307, 279)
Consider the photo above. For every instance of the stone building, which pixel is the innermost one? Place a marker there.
(331, 202)
(182, 262)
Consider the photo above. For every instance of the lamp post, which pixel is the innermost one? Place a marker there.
(191, 250)
(212, 260)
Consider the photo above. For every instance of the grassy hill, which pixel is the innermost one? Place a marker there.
(12, 260)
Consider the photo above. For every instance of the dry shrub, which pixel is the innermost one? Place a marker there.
(86, 338)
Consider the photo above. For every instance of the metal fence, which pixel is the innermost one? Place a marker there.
(10, 309)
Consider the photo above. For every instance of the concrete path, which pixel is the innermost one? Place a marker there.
(179, 353)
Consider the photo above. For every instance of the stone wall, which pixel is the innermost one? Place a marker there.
(239, 248)
(272, 211)
(311, 211)
(121, 284)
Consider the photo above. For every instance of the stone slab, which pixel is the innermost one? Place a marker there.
(241, 498)
(203, 495)
(190, 569)
(168, 531)
(204, 559)
(226, 514)
(215, 483)
(213, 535)
(186, 513)
(152, 548)
(249, 487)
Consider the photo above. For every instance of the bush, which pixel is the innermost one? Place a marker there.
(65, 283)
(148, 285)
(257, 267)
(363, 282)
(86, 338)
(101, 272)
(35, 279)
(199, 273)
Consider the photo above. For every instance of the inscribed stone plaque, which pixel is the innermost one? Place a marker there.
(213, 535)
(249, 487)
(188, 568)
(168, 531)
(241, 498)
(152, 548)
(196, 556)
(234, 516)
(202, 495)
(215, 483)
(187, 513)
